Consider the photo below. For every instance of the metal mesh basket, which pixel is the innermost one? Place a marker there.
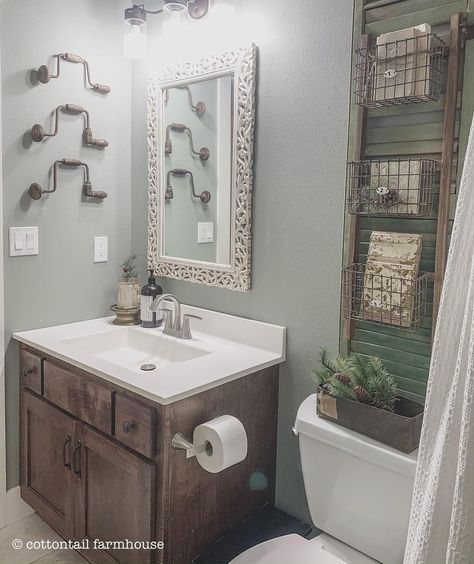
(395, 187)
(400, 72)
(384, 300)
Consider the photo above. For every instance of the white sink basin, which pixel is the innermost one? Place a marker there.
(223, 348)
(131, 348)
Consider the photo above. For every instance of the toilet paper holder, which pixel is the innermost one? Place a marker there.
(179, 442)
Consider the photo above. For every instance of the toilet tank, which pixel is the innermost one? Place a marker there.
(358, 490)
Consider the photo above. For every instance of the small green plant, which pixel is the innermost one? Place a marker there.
(358, 378)
(129, 268)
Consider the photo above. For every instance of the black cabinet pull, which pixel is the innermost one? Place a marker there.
(75, 455)
(67, 442)
(29, 371)
(127, 426)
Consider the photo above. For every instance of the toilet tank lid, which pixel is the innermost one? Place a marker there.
(308, 423)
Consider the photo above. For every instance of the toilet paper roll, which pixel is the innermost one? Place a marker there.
(228, 440)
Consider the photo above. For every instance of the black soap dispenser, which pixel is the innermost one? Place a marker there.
(149, 292)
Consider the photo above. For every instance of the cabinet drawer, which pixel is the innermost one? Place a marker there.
(135, 425)
(31, 371)
(79, 394)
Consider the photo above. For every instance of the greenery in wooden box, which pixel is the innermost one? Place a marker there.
(358, 378)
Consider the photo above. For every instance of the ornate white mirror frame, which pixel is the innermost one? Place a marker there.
(236, 275)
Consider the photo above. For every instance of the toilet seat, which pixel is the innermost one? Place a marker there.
(289, 548)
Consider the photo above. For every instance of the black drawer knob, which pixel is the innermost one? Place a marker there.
(29, 371)
(127, 426)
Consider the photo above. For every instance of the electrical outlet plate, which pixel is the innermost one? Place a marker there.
(101, 249)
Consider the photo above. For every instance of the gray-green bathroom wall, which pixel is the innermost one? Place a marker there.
(304, 62)
(61, 284)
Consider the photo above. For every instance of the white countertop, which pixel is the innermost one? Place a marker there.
(226, 347)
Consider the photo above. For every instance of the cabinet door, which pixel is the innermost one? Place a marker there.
(45, 459)
(115, 499)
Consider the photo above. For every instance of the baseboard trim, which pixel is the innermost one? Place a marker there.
(16, 508)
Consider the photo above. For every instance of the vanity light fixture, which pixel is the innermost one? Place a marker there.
(38, 132)
(45, 75)
(36, 192)
(204, 196)
(135, 18)
(203, 153)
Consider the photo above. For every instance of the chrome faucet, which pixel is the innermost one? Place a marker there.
(175, 326)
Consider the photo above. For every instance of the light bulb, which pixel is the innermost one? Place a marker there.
(134, 41)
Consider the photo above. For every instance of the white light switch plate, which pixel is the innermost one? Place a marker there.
(23, 241)
(101, 249)
(206, 232)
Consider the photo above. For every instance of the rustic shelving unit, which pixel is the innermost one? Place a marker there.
(433, 128)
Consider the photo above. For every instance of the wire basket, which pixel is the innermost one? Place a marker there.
(399, 72)
(396, 300)
(397, 187)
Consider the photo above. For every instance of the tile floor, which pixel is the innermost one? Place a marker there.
(33, 528)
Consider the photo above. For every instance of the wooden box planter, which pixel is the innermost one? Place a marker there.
(400, 430)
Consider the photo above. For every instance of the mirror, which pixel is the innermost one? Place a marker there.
(200, 131)
(198, 140)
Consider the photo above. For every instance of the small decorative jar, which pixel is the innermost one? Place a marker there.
(128, 295)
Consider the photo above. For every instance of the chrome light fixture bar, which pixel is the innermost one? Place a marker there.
(196, 8)
(136, 18)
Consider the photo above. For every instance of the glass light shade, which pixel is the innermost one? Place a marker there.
(134, 41)
(174, 28)
(176, 37)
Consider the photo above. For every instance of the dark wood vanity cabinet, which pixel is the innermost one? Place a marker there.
(46, 448)
(97, 463)
(115, 497)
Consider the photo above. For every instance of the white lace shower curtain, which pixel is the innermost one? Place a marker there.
(441, 526)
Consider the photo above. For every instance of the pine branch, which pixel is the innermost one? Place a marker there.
(129, 269)
(340, 390)
(359, 378)
(321, 375)
(343, 365)
(384, 386)
(357, 371)
(379, 383)
(327, 362)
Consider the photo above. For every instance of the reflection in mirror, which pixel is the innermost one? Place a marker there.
(201, 120)
(197, 122)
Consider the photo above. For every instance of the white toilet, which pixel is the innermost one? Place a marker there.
(359, 493)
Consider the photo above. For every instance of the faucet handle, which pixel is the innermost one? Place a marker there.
(168, 315)
(186, 329)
